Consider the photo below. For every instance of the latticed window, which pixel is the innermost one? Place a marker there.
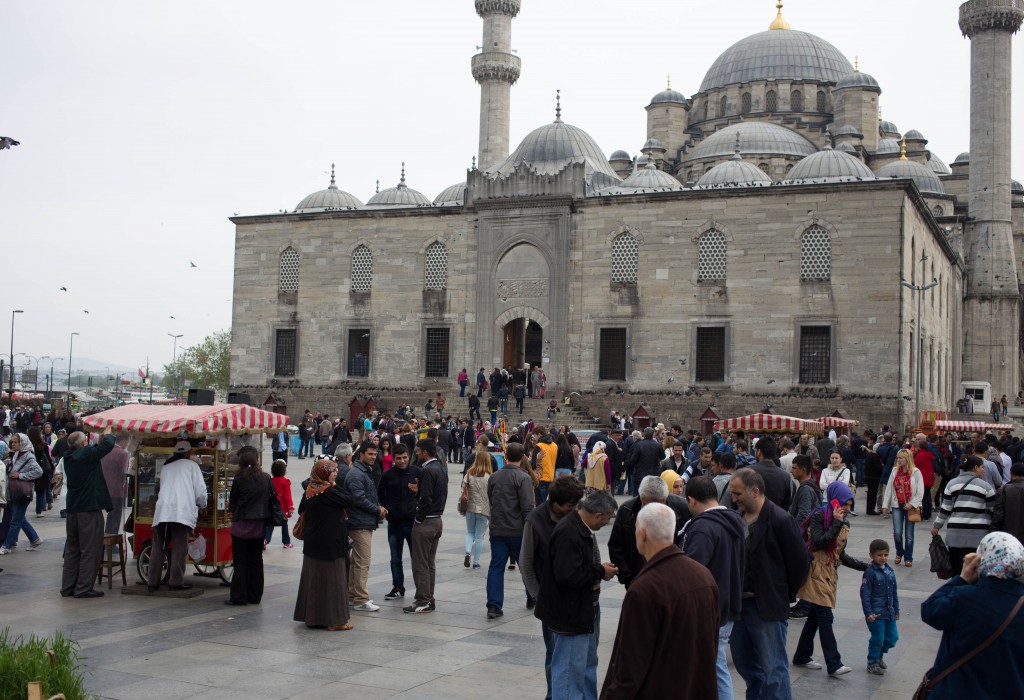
(624, 252)
(771, 101)
(285, 347)
(745, 103)
(437, 352)
(358, 359)
(816, 254)
(289, 271)
(796, 101)
(711, 256)
(722, 104)
(362, 269)
(611, 363)
(764, 167)
(710, 366)
(815, 354)
(436, 276)
(821, 101)
(704, 111)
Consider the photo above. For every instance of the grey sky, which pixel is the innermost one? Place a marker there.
(145, 125)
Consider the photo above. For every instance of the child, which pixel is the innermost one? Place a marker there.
(881, 606)
(283, 489)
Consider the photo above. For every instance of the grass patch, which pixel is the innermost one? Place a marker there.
(55, 661)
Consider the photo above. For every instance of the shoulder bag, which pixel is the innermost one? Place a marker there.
(276, 517)
(19, 489)
(299, 529)
(464, 496)
(928, 683)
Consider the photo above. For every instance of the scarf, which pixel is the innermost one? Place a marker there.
(320, 477)
(838, 491)
(901, 482)
(1002, 556)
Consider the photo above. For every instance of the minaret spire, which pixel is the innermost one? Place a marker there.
(496, 68)
(558, 106)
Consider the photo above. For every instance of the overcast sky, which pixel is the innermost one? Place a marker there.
(144, 125)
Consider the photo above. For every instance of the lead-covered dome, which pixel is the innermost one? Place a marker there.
(452, 196)
(937, 166)
(734, 172)
(756, 138)
(650, 178)
(858, 80)
(926, 180)
(669, 96)
(621, 155)
(399, 196)
(328, 200)
(777, 54)
(828, 165)
(888, 146)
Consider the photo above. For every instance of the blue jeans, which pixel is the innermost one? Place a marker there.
(722, 663)
(19, 523)
(502, 548)
(859, 470)
(883, 638)
(819, 621)
(476, 524)
(759, 654)
(540, 494)
(397, 534)
(286, 536)
(574, 664)
(494, 417)
(503, 404)
(903, 534)
(324, 442)
(462, 389)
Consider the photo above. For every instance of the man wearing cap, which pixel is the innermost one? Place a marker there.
(182, 494)
(88, 498)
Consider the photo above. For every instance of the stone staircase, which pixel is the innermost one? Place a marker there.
(536, 410)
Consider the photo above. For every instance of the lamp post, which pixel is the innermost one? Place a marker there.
(174, 360)
(920, 290)
(11, 391)
(49, 386)
(71, 350)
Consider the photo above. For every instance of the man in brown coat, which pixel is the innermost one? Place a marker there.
(667, 642)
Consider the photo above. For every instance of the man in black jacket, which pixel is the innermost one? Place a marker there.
(775, 567)
(613, 450)
(778, 484)
(622, 542)
(569, 593)
(431, 496)
(400, 502)
(1008, 514)
(644, 459)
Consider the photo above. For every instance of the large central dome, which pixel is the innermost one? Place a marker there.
(777, 54)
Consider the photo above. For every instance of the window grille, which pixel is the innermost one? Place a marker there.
(624, 255)
(437, 352)
(796, 101)
(822, 105)
(815, 354)
(771, 101)
(745, 103)
(816, 254)
(612, 354)
(436, 271)
(362, 269)
(358, 360)
(710, 366)
(711, 256)
(764, 168)
(722, 105)
(285, 352)
(289, 271)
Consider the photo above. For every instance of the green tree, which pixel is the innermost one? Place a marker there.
(203, 366)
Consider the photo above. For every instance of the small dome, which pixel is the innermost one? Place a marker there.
(756, 138)
(857, 80)
(937, 166)
(888, 146)
(828, 165)
(964, 157)
(1016, 187)
(642, 160)
(734, 172)
(848, 130)
(329, 199)
(846, 147)
(650, 178)
(926, 180)
(653, 144)
(453, 196)
(915, 135)
(887, 129)
(399, 196)
(620, 155)
(669, 96)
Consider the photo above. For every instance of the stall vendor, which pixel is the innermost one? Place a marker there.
(182, 494)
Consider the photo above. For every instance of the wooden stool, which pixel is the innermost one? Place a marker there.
(113, 566)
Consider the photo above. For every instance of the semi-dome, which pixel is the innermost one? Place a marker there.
(858, 80)
(620, 155)
(777, 54)
(937, 166)
(828, 165)
(399, 196)
(329, 199)
(888, 146)
(734, 172)
(926, 180)
(888, 129)
(964, 157)
(452, 196)
(756, 138)
(650, 178)
(654, 144)
(669, 96)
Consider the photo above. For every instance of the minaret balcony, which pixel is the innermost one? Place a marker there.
(497, 66)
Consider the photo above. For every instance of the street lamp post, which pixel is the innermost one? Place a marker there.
(11, 391)
(920, 290)
(71, 350)
(174, 360)
(49, 386)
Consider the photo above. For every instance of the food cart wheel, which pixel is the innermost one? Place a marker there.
(205, 569)
(142, 564)
(227, 572)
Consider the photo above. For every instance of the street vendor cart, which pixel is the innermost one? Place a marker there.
(770, 423)
(217, 432)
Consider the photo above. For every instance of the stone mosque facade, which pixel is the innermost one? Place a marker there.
(774, 243)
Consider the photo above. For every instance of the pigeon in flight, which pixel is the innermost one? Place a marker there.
(7, 142)
(174, 318)
(192, 264)
(63, 289)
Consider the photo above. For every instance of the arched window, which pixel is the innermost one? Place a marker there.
(745, 103)
(764, 167)
(822, 105)
(704, 111)
(362, 269)
(771, 101)
(796, 101)
(624, 253)
(289, 281)
(711, 256)
(937, 210)
(436, 269)
(816, 254)
(722, 104)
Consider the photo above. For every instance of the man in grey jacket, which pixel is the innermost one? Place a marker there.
(363, 518)
(510, 493)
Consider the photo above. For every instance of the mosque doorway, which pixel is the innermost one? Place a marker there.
(523, 343)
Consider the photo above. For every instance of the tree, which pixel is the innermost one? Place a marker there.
(203, 366)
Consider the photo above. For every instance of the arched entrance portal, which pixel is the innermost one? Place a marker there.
(523, 343)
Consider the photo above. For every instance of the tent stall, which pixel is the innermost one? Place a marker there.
(770, 423)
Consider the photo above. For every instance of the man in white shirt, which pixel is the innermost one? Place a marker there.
(182, 494)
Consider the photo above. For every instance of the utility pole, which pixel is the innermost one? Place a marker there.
(11, 392)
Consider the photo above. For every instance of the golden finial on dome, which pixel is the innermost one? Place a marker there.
(779, 22)
(903, 148)
(856, 64)
(668, 83)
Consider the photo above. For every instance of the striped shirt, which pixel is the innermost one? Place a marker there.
(970, 517)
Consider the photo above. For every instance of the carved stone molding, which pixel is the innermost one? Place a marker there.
(991, 15)
(495, 65)
(497, 7)
(522, 289)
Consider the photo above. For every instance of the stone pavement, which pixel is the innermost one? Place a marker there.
(167, 649)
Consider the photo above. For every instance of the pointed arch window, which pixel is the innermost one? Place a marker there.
(722, 104)
(745, 103)
(436, 272)
(771, 101)
(822, 101)
(362, 269)
(624, 258)
(816, 254)
(796, 101)
(289, 279)
(711, 251)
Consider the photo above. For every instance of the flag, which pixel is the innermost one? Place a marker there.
(142, 374)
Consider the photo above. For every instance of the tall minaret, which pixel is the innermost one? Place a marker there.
(496, 68)
(992, 297)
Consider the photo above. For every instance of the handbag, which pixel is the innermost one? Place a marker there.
(20, 490)
(914, 514)
(299, 529)
(276, 517)
(939, 553)
(463, 506)
(928, 683)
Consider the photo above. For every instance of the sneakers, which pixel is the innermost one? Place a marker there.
(476, 566)
(35, 545)
(512, 566)
(288, 546)
(368, 606)
(395, 594)
(841, 671)
(493, 613)
(417, 608)
(797, 613)
(5, 550)
(465, 562)
(881, 662)
(812, 665)
(876, 670)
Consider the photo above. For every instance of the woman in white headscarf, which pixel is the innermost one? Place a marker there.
(968, 610)
(22, 468)
(598, 472)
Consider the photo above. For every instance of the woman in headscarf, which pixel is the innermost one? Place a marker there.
(825, 532)
(249, 504)
(968, 609)
(21, 466)
(598, 471)
(323, 584)
(903, 493)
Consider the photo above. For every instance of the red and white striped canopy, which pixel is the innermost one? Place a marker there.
(218, 419)
(999, 426)
(835, 422)
(974, 426)
(770, 423)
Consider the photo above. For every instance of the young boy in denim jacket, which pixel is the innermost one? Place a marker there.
(881, 605)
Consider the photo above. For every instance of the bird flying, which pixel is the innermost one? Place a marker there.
(192, 264)
(63, 289)
(7, 142)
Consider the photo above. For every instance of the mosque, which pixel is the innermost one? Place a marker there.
(775, 244)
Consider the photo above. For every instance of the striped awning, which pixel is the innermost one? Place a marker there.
(836, 422)
(974, 426)
(999, 426)
(218, 419)
(771, 423)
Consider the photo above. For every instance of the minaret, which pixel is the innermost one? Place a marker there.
(992, 297)
(496, 68)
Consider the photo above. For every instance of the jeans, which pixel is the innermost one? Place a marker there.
(540, 494)
(494, 416)
(324, 442)
(903, 534)
(503, 549)
(574, 664)
(859, 470)
(883, 638)
(462, 389)
(398, 533)
(819, 621)
(305, 447)
(722, 663)
(43, 496)
(476, 524)
(286, 537)
(503, 405)
(759, 654)
(19, 509)
(520, 404)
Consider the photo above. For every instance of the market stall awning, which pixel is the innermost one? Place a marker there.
(770, 423)
(217, 419)
(974, 426)
(836, 422)
(999, 426)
